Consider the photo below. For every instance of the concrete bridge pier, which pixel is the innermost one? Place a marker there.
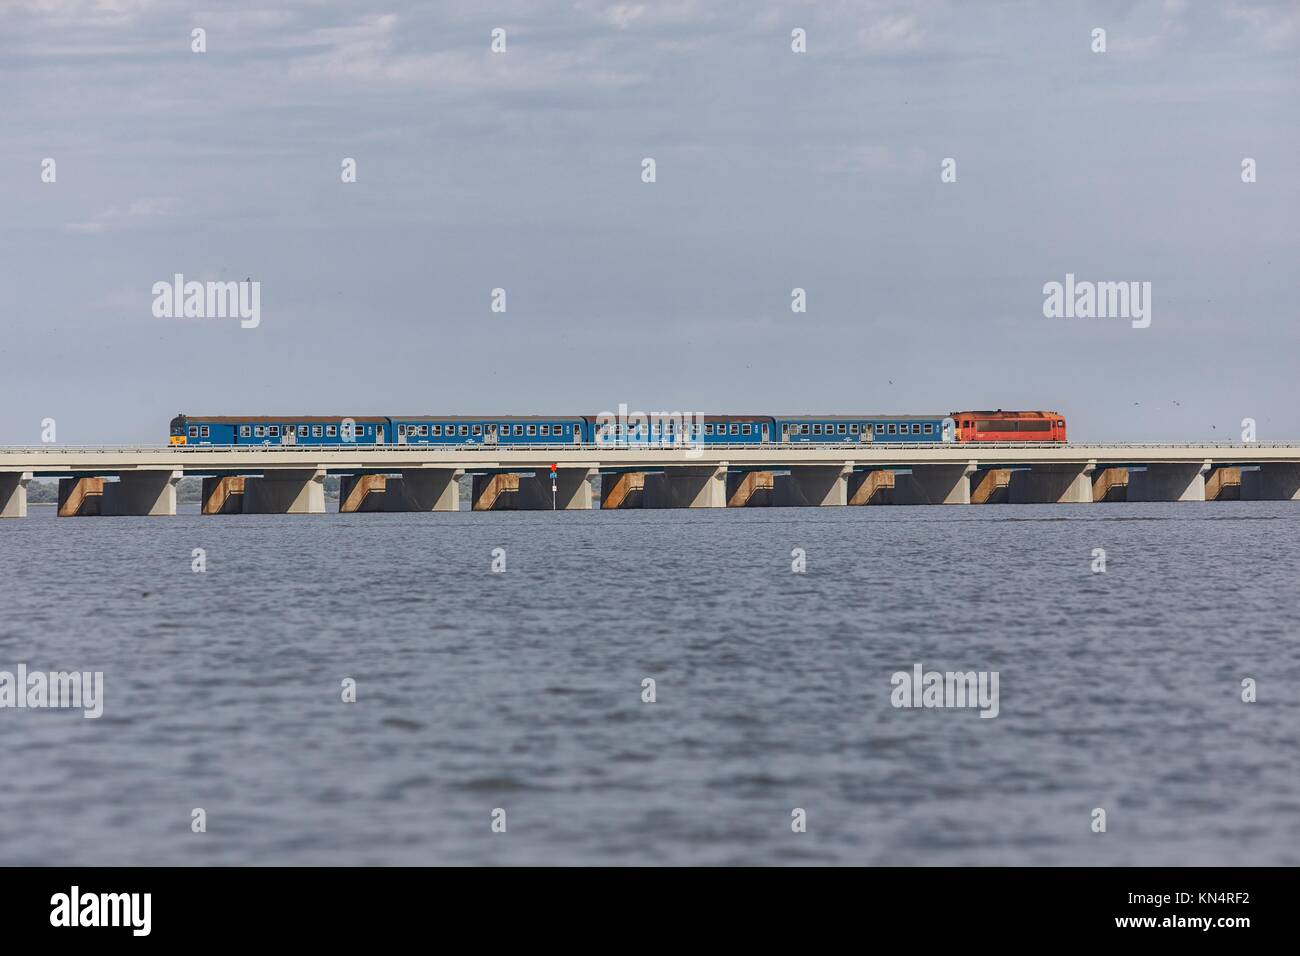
(80, 497)
(871, 488)
(516, 492)
(141, 493)
(1273, 482)
(1180, 482)
(1051, 484)
(814, 486)
(363, 493)
(422, 489)
(687, 487)
(622, 489)
(934, 485)
(572, 490)
(1223, 483)
(223, 496)
(750, 489)
(990, 486)
(494, 492)
(13, 494)
(288, 492)
(1110, 484)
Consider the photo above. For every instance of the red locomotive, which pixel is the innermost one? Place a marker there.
(1002, 425)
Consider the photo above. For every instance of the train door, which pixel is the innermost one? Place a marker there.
(490, 435)
(401, 434)
(577, 433)
(785, 432)
(379, 434)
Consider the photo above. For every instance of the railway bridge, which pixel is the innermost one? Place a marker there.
(288, 479)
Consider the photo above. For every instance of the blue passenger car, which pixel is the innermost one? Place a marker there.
(835, 429)
(656, 428)
(496, 430)
(279, 430)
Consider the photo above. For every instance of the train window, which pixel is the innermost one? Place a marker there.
(916, 428)
(259, 431)
(735, 429)
(303, 430)
(893, 429)
(545, 430)
(532, 429)
(331, 430)
(745, 429)
(203, 431)
(273, 431)
(928, 428)
(477, 429)
(401, 431)
(880, 428)
(194, 431)
(817, 429)
(843, 429)
(463, 430)
(424, 431)
(853, 428)
(244, 431)
(316, 431)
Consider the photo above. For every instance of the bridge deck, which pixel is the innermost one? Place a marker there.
(56, 459)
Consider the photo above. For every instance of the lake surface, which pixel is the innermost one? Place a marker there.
(523, 690)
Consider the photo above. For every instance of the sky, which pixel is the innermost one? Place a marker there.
(522, 170)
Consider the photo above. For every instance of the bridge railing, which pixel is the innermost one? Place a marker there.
(846, 447)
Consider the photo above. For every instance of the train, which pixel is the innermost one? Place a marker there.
(656, 428)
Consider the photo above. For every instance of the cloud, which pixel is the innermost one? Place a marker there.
(897, 34)
(367, 52)
(137, 212)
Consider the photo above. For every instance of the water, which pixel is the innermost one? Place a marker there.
(522, 690)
